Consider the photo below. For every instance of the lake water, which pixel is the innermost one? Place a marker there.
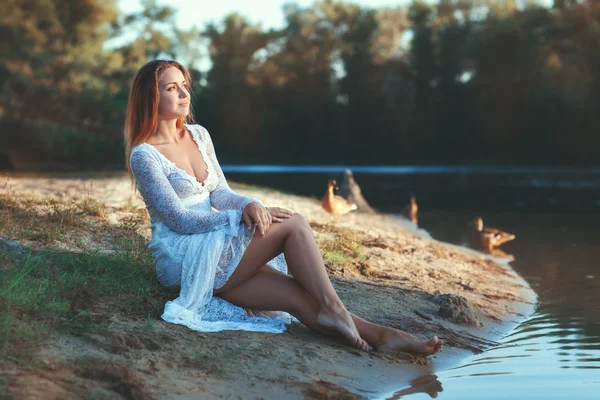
(555, 354)
(555, 214)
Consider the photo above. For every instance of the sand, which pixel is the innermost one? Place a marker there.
(404, 279)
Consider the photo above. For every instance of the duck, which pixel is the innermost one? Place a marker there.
(411, 210)
(489, 238)
(334, 204)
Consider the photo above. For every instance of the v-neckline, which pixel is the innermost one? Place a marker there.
(181, 170)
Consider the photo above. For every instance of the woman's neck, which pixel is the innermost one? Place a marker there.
(167, 131)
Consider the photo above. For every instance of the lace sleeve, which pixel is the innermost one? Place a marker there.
(223, 198)
(160, 196)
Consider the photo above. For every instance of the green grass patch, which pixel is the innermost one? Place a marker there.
(340, 253)
(62, 292)
(340, 247)
(93, 207)
(46, 292)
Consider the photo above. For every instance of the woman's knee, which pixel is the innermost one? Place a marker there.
(298, 222)
(294, 225)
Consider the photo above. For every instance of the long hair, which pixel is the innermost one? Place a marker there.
(141, 120)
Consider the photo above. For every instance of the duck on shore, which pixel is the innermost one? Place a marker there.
(411, 210)
(489, 238)
(334, 204)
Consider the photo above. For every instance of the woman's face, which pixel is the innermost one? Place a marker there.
(174, 98)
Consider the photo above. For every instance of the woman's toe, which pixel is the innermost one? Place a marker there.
(360, 344)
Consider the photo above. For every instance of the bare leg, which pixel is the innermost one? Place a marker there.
(273, 291)
(294, 237)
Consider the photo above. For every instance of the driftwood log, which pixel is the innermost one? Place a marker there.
(350, 190)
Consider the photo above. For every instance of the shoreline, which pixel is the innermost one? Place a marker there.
(450, 357)
(392, 274)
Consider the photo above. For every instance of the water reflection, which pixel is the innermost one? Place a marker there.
(539, 360)
(555, 354)
(428, 384)
(499, 253)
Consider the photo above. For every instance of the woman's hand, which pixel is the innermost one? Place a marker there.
(254, 213)
(278, 214)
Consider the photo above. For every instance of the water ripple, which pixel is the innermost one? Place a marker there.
(538, 358)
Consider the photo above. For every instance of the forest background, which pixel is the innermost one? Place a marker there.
(478, 82)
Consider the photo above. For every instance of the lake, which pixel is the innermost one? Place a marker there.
(555, 213)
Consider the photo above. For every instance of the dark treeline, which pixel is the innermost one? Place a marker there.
(462, 81)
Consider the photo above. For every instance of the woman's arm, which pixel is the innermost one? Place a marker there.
(160, 196)
(223, 198)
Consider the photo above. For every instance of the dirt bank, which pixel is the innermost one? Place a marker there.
(385, 270)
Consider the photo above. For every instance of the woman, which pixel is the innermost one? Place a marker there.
(236, 258)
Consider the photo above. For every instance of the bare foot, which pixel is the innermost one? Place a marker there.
(338, 319)
(395, 340)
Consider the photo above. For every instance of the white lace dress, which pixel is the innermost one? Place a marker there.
(195, 248)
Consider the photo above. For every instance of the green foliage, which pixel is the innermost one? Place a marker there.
(64, 82)
(454, 82)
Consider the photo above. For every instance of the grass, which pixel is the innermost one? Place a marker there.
(38, 220)
(340, 247)
(51, 291)
(93, 207)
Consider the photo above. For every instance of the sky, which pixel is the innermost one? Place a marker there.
(266, 12)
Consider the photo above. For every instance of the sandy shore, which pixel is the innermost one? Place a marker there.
(400, 280)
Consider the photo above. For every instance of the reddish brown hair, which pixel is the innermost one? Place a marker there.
(141, 120)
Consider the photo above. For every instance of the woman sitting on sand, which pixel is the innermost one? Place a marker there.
(236, 259)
